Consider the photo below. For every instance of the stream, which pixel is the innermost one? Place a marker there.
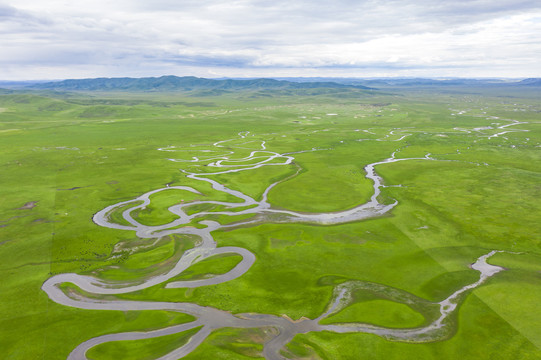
(209, 319)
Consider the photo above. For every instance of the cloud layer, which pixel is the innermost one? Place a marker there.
(74, 39)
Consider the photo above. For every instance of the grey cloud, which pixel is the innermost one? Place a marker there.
(13, 14)
(205, 61)
(262, 34)
(480, 7)
(7, 12)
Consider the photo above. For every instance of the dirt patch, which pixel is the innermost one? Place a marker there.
(28, 206)
(11, 218)
(44, 221)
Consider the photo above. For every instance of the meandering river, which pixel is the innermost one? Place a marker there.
(208, 318)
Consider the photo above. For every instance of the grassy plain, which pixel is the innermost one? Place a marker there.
(66, 156)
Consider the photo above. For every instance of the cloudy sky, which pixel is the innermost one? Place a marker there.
(58, 39)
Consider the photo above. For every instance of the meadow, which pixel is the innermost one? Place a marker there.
(472, 186)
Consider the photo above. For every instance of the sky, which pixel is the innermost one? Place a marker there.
(59, 39)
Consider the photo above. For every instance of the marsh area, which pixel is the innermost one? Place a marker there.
(264, 225)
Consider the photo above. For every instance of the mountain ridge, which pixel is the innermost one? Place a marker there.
(531, 82)
(186, 83)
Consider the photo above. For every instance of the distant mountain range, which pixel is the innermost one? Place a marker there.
(531, 82)
(219, 86)
(186, 83)
(421, 82)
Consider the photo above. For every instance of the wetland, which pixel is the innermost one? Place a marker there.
(321, 226)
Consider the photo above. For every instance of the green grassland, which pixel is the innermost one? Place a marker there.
(66, 156)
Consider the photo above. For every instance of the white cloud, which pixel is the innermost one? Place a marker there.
(61, 39)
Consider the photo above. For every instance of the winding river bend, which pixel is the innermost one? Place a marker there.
(208, 318)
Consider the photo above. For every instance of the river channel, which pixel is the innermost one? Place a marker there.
(208, 318)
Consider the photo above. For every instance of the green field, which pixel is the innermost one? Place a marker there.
(67, 156)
